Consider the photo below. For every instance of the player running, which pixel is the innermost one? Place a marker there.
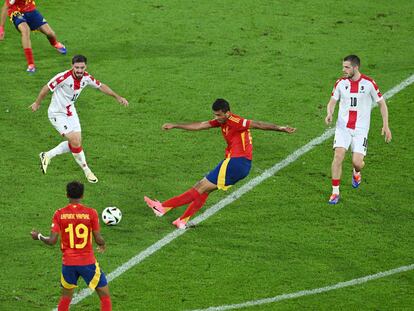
(66, 88)
(76, 224)
(235, 166)
(356, 93)
(26, 18)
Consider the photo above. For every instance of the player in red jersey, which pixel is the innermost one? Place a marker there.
(76, 224)
(26, 18)
(235, 166)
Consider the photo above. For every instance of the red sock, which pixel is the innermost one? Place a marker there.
(335, 182)
(64, 303)
(29, 56)
(75, 149)
(106, 304)
(52, 40)
(182, 199)
(195, 206)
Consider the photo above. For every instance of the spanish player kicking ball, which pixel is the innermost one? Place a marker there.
(235, 166)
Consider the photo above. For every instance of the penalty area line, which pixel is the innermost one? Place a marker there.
(227, 200)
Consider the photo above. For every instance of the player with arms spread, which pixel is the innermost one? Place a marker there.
(66, 87)
(235, 166)
(26, 18)
(356, 93)
(76, 224)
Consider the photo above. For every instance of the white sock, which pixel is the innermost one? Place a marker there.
(63, 147)
(335, 189)
(81, 160)
(356, 173)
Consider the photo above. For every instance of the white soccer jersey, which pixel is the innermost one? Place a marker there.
(66, 89)
(355, 101)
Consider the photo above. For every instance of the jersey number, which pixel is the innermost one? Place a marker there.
(68, 112)
(353, 101)
(81, 231)
(74, 97)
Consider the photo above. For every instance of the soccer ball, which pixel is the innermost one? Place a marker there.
(111, 216)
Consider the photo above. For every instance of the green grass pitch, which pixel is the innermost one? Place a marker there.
(273, 61)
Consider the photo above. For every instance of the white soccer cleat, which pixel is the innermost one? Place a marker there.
(91, 177)
(44, 162)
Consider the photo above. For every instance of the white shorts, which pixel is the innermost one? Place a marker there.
(357, 139)
(64, 124)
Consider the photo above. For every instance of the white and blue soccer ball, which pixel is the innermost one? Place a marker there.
(111, 216)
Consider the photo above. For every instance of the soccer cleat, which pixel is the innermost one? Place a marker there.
(156, 206)
(180, 224)
(334, 199)
(356, 180)
(44, 162)
(31, 68)
(60, 48)
(91, 177)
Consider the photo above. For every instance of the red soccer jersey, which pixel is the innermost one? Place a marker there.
(21, 6)
(237, 135)
(75, 224)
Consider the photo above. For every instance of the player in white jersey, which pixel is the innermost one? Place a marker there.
(66, 87)
(356, 94)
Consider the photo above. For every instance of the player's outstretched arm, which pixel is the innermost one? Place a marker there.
(385, 131)
(108, 91)
(195, 126)
(271, 127)
(99, 240)
(3, 17)
(43, 92)
(49, 240)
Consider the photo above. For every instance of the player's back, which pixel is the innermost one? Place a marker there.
(75, 223)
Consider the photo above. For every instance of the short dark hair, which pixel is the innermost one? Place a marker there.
(221, 104)
(74, 190)
(355, 61)
(79, 59)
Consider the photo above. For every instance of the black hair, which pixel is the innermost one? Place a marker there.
(74, 190)
(355, 61)
(221, 104)
(79, 59)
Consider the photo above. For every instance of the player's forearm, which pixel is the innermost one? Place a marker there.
(189, 126)
(384, 112)
(98, 238)
(267, 126)
(108, 91)
(330, 108)
(43, 92)
(49, 240)
(3, 15)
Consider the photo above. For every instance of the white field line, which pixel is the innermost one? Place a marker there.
(311, 291)
(228, 200)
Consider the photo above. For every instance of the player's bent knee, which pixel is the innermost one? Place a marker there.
(102, 291)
